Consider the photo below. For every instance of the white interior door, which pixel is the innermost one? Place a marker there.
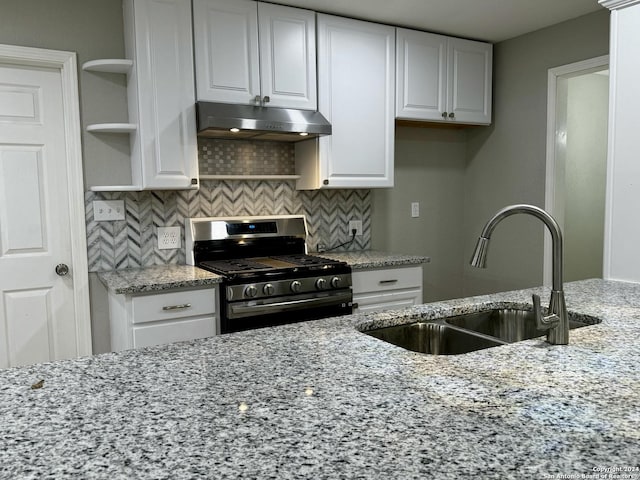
(39, 320)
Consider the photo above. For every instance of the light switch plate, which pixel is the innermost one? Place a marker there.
(168, 238)
(415, 209)
(108, 210)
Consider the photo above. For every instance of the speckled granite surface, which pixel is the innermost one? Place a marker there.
(364, 259)
(322, 400)
(167, 277)
(162, 277)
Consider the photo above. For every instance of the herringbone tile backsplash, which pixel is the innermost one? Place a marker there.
(133, 242)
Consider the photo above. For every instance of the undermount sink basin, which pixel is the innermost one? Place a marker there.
(510, 324)
(434, 337)
(469, 332)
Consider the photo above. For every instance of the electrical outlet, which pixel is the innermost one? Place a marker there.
(108, 210)
(357, 226)
(168, 237)
(415, 209)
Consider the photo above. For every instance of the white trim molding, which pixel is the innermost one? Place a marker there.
(66, 63)
(617, 4)
(554, 201)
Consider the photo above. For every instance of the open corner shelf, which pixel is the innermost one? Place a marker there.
(116, 188)
(112, 127)
(109, 65)
(249, 177)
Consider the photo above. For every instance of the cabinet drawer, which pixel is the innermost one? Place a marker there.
(387, 301)
(387, 279)
(165, 306)
(173, 331)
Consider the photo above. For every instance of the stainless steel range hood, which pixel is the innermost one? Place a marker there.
(231, 121)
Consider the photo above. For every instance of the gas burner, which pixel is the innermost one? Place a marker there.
(307, 260)
(234, 266)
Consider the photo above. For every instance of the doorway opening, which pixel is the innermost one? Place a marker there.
(577, 119)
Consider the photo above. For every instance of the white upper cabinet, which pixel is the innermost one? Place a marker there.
(356, 91)
(161, 94)
(255, 53)
(443, 79)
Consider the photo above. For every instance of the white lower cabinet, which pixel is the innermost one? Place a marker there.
(387, 289)
(144, 320)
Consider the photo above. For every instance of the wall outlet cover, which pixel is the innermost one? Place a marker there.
(108, 210)
(355, 225)
(169, 238)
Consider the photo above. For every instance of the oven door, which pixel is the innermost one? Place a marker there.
(249, 314)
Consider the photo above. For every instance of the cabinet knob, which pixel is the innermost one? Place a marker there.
(451, 115)
(194, 181)
(257, 100)
(266, 99)
(444, 114)
(325, 182)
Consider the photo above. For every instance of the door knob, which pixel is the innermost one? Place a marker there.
(62, 269)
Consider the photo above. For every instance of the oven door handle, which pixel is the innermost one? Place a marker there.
(246, 310)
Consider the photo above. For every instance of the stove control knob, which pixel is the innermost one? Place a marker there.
(335, 282)
(321, 284)
(296, 286)
(268, 289)
(250, 291)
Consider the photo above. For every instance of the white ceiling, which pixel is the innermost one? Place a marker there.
(487, 20)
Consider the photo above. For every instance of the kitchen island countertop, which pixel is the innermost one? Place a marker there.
(320, 400)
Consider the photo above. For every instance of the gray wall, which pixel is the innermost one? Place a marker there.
(463, 177)
(459, 177)
(506, 163)
(93, 29)
(429, 168)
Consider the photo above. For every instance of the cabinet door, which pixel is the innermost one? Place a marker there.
(386, 289)
(421, 75)
(388, 301)
(161, 94)
(226, 50)
(469, 81)
(287, 56)
(172, 331)
(157, 318)
(356, 91)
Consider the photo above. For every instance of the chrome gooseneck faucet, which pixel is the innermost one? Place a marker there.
(556, 324)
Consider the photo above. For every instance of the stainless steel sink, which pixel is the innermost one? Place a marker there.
(434, 337)
(471, 331)
(509, 324)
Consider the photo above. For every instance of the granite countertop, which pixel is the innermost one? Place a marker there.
(367, 259)
(167, 277)
(322, 400)
(161, 277)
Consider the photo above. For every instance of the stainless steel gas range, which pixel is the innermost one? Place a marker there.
(268, 277)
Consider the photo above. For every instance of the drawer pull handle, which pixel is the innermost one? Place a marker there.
(177, 307)
(387, 282)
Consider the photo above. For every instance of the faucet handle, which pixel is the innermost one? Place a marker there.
(542, 322)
